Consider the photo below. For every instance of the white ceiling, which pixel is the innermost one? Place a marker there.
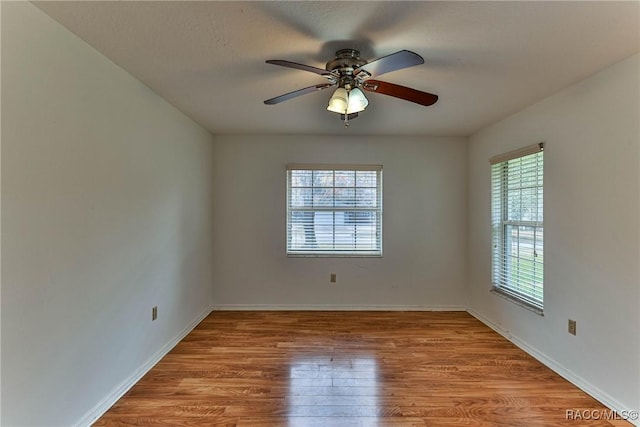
(485, 60)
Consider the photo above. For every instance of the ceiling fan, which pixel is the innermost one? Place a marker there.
(351, 75)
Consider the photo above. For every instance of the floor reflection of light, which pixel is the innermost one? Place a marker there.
(328, 391)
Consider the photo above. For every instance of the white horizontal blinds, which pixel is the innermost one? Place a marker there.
(518, 225)
(334, 210)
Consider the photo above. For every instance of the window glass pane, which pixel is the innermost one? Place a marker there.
(322, 197)
(540, 204)
(345, 197)
(514, 205)
(366, 179)
(366, 197)
(360, 217)
(302, 230)
(323, 178)
(301, 197)
(345, 178)
(345, 230)
(356, 230)
(526, 243)
(301, 178)
(366, 231)
(324, 230)
(529, 204)
(523, 204)
(539, 247)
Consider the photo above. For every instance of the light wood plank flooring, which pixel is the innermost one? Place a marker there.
(323, 369)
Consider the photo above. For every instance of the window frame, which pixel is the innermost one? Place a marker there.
(504, 282)
(335, 253)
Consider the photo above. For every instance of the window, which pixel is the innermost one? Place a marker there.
(334, 210)
(517, 225)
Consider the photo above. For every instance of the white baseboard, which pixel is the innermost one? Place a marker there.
(335, 307)
(97, 411)
(558, 368)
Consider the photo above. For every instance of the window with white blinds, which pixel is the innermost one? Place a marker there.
(334, 210)
(518, 225)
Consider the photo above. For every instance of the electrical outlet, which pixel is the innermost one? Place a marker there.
(154, 313)
(333, 278)
(572, 327)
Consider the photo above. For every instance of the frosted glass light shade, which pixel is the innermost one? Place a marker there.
(357, 101)
(339, 101)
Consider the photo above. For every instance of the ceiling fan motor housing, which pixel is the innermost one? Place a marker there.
(345, 62)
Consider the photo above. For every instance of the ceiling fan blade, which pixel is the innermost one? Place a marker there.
(386, 64)
(296, 93)
(402, 92)
(297, 66)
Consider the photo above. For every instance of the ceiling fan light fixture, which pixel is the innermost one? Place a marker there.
(339, 101)
(357, 102)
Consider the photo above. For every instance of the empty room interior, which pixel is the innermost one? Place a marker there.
(320, 213)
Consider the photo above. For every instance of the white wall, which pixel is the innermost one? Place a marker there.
(591, 136)
(106, 212)
(424, 186)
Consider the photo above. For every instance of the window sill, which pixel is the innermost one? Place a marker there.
(517, 300)
(334, 255)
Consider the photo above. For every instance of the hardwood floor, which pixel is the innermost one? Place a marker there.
(323, 369)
